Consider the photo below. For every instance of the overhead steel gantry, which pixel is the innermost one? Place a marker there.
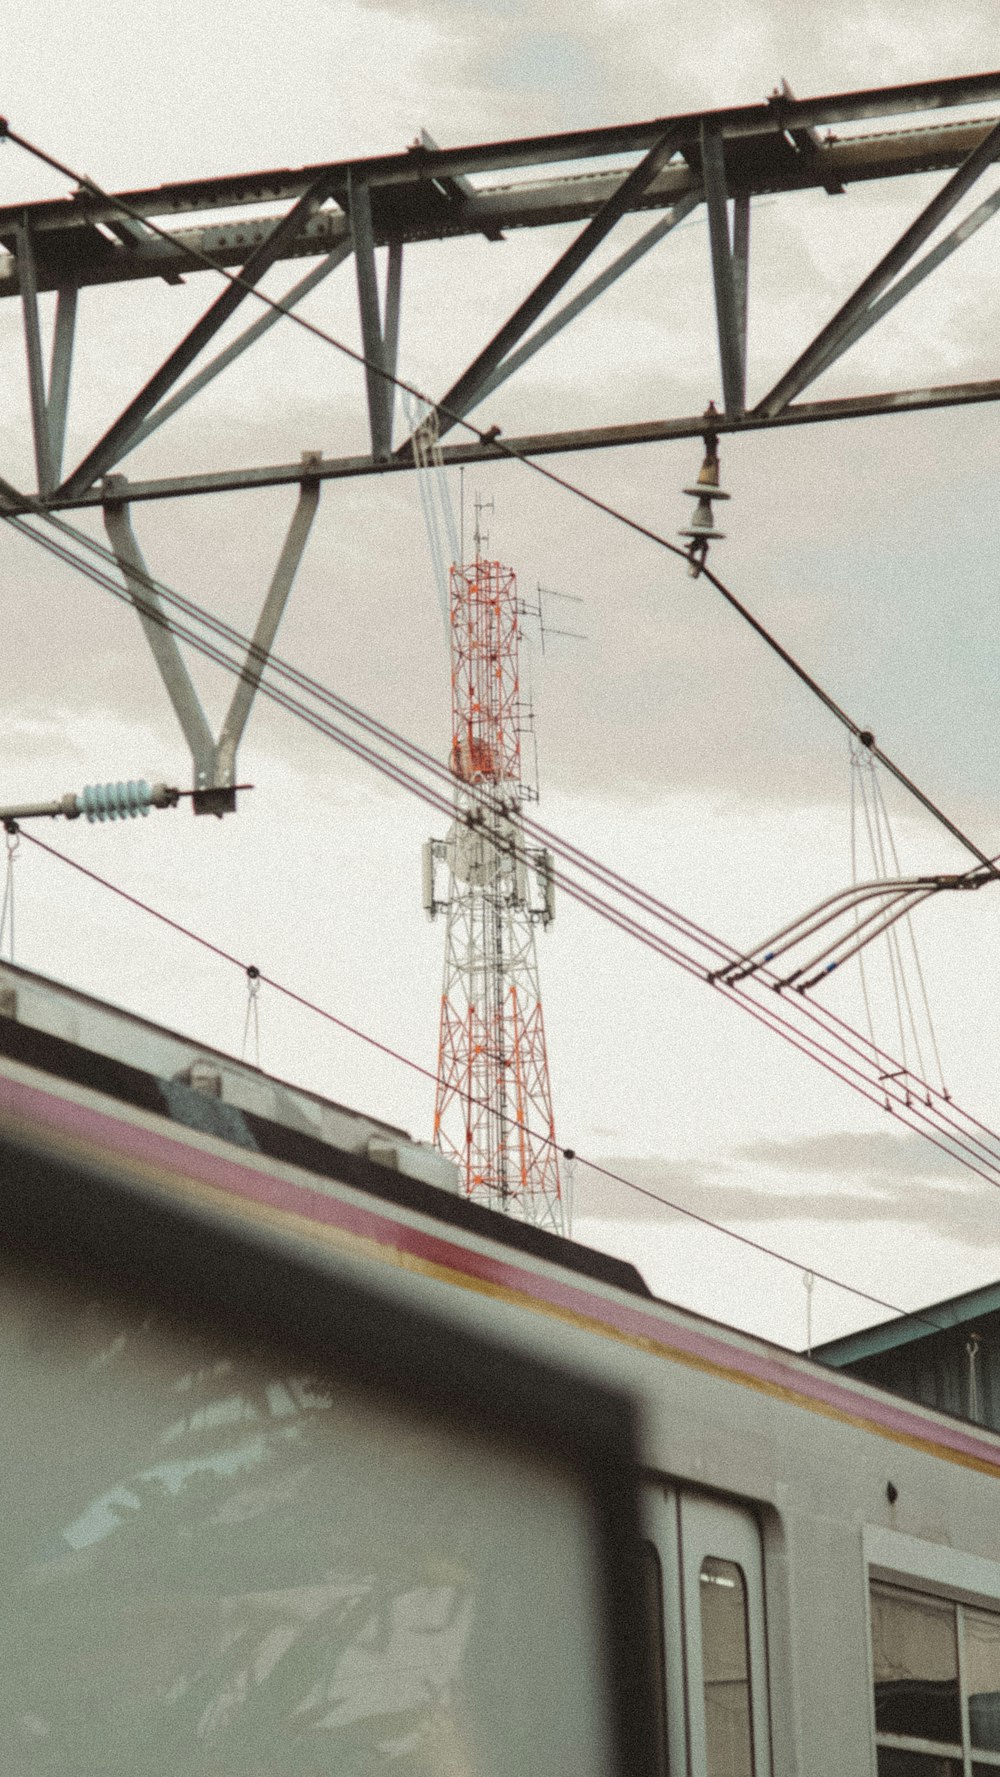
(667, 167)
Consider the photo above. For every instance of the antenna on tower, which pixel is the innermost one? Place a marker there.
(548, 629)
(461, 512)
(481, 538)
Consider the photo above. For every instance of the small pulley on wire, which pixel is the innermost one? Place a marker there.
(701, 531)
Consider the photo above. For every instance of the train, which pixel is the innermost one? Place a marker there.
(807, 1577)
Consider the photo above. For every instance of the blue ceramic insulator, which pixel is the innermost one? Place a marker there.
(114, 802)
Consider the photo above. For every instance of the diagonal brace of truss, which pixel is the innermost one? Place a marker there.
(250, 335)
(214, 760)
(464, 393)
(115, 441)
(597, 286)
(963, 232)
(840, 330)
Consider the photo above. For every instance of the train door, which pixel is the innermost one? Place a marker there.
(710, 1571)
(725, 1643)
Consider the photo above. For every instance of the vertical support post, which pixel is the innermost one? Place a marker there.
(27, 275)
(730, 354)
(741, 278)
(359, 205)
(390, 342)
(62, 360)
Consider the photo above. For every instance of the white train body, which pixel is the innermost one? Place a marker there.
(766, 1474)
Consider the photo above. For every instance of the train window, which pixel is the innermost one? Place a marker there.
(725, 1644)
(257, 1519)
(915, 1646)
(894, 1761)
(982, 1678)
(263, 1569)
(936, 1669)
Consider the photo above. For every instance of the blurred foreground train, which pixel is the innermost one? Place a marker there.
(310, 1465)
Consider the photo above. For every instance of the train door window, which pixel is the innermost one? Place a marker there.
(936, 1667)
(915, 1648)
(725, 1640)
(725, 1647)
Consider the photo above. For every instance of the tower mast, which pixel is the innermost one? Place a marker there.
(493, 1113)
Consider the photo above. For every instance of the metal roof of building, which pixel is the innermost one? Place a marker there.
(937, 1317)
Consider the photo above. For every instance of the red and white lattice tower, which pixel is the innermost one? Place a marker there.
(493, 1114)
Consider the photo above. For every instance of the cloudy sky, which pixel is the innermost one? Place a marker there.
(670, 743)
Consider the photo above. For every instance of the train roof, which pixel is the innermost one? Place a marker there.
(82, 1040)
(230, 1140)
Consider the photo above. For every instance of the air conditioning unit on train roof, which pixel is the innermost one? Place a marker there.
(198, 1086)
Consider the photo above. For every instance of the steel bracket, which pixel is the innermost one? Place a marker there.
(214, 760)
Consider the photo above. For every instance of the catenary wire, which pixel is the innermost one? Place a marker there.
(561, 481)
(592, 500)
(303, 680)
(890, 1093)
(856, 768)
(491, 437)
(386, 1049)
(876, 842)
(608, 878)
(894, 1097)
(912, 935)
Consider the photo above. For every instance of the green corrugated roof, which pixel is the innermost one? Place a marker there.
(908, 1328)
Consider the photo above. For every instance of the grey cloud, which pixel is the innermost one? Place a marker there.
(679, 57)
(838, 1179)
(877, 1159)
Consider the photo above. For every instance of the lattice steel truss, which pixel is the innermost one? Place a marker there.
(670, 167)
(53, 252)
(493, 1113)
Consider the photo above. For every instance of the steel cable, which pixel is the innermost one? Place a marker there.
(609, 878)
(386, 1049)
(876, 1083)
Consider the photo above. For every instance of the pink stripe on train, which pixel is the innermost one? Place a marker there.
(34, 1107)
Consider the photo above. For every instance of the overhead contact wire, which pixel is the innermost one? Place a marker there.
(855, 1075)
(386, 1049)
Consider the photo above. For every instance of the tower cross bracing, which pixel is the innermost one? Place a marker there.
(493, 1111)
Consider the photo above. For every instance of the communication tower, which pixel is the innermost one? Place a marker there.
(493, 1113)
